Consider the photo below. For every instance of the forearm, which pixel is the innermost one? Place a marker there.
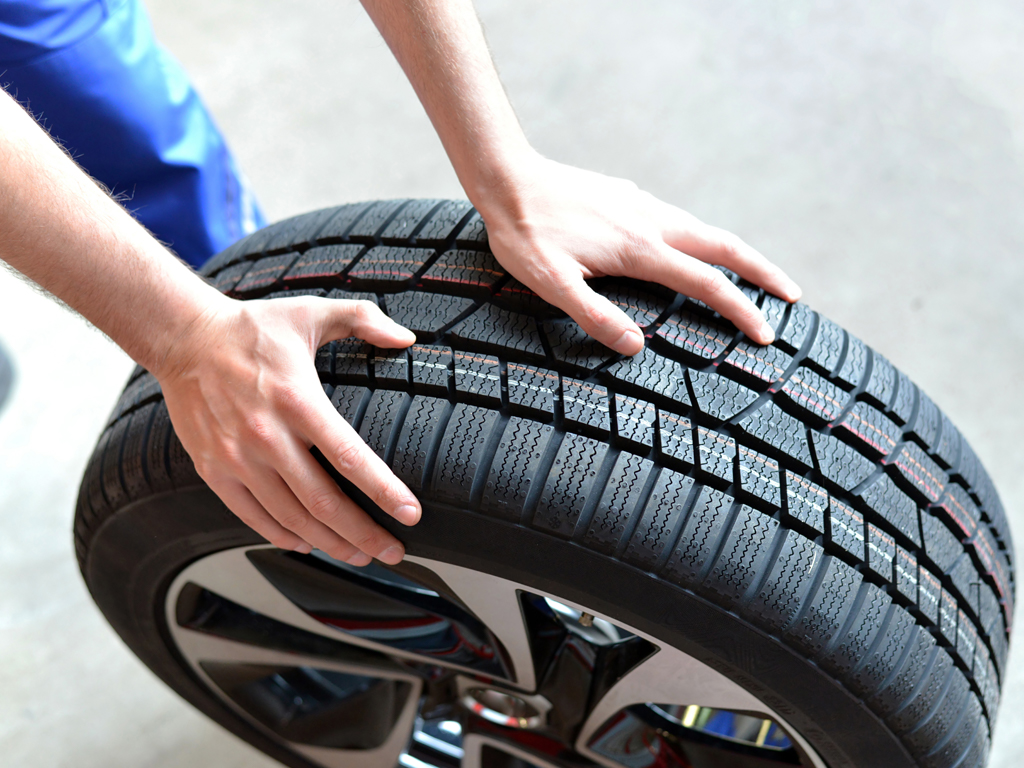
(441, 47)
(58, 228)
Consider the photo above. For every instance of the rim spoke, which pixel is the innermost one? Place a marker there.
(476, 744)
(495, 602)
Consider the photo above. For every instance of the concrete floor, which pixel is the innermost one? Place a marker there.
(875, 150)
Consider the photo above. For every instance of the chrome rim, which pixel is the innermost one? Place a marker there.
(432, 665)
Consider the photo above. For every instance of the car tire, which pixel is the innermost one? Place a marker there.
(799, 522)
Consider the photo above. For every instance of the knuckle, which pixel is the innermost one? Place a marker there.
(371, 542)
(712, 284)
(322, 504)
(365, 311)
(350, 456)
(296, 521)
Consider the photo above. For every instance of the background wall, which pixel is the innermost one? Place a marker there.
(875, 150)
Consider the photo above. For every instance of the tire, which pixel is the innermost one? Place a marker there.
(799, 522)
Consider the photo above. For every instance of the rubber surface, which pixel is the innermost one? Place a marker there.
(805, 497)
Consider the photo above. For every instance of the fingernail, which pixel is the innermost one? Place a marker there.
(392, 555)
(304, 548)
(628, 342)
(407, 514)
(359, 559)
(767, 334)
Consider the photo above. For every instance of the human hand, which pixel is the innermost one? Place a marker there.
(245, 400)
(553, 226)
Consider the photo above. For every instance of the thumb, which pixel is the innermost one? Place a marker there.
(342, 318)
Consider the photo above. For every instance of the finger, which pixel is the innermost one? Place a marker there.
(239, 500)
(278, 500)
(705, 283)
(355, 461)
(712, 245)
(362, 319)
(320, 495)
(594, 313)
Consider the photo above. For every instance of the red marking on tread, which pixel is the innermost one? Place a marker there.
(931, 491)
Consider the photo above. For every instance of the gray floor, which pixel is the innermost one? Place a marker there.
(875, 150)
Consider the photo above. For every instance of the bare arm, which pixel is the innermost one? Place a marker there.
(237, 377)
(550, 225)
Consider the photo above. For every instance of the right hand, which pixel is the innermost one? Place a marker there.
(246, 402)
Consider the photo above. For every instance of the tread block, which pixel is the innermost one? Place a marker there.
(927, 425)
(461, 451)
(421, 421)
(516, 297)
(409, 219)
(385, 265)
(926, 698)
(157, 461)
(635, 420)
(431, 367)
(888, 700)
(717, 454)
(718, 396)
(941, 545)
(133, 467)
(766, 364)
(852, 370)
(846, 528)
(110, 468)
(338, 225)
(946, 715)
(800, 324)
(922, 474)
(994, 562)
(499, 328)
(480, 374)
(839, 462)
(882, 384)
(371, 221)
(617, 504)
(961, 509)
(783, 432)
(706, 339)
(352, 361)
(426, 313)
(346, 399)
(477, 270)
(929, 592)
(885, 653)
(821, 400)
(534, 388)
(643, 308)
(235, 253)
(774, 310)
(390, 368)
(225, 280)
(515, 465)
(676, 437)
(474, 234)
(854, 644)
(183, 471)
(828, 345)
(345, 294)
(570, 344)
(585, 404)
(744, 555)
(959, 735)
(906, 573)
(965, 579)
(382, 411)
(777, 600)
(988, 684)
(293, 293)
(759, 476)
(881, 551)
(141, 390)
(966, 640)
(297, 231)
(827, 609)
(906, 395)
(877, 435)
(569, 484)
(323, 261)
(440, 225)
(893, 505)
(696, 544)
(947, 453)
(264, 275)
(659, 520)
(806, 502)
(653, 372)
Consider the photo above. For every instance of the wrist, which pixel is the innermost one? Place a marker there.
(497, 182)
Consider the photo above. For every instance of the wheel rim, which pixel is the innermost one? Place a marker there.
(432, 665)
